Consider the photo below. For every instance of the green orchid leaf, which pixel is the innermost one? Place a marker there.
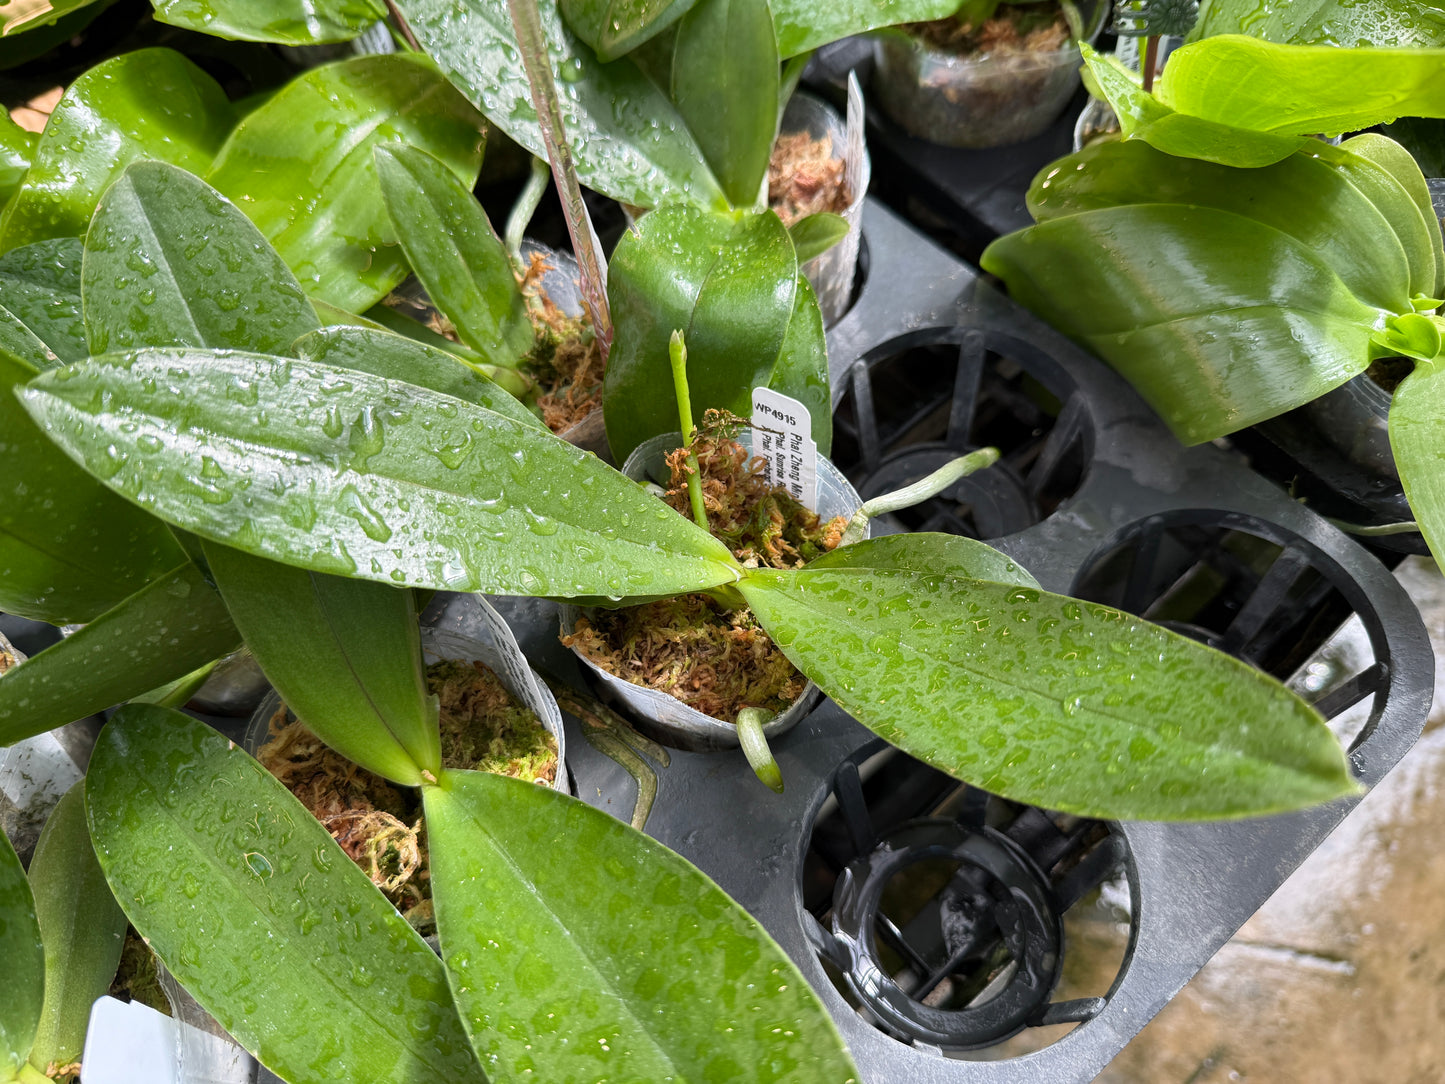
(388, 319)
(725, 73)
(1424, 138)
(300, 166)
(285, 22)
(260, 915)
(395, 357)
(24, 958)
(69, 548)
(1411, 335)
(178, 693)
(19, 18)
(615, 27)
(1342, 227)
(162, 632)
(456, 254)
(39, 38)
(1264, 323)
(40, 302)
(628, 139)
(817, 233)
(17, 148)
(1388, 156)
(82, 927)
(169, 262)
(926, 551)
(1049, 700)
(1386, 23)
(802, 368)
(152, 103)
(580, 949)
(1417, 433)
(345, 655)
(729, 282)
(339, 471)
(803, 25)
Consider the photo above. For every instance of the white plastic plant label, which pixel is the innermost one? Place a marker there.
(783, 436)
(131, 1043)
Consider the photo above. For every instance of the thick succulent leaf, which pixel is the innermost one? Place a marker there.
(1387, 155)
(927, 551)
(456, 254)
(1423, 137)
(628, 139)
(729, 282)
(725, 74)
(152, 103)
(301, 167)
(1417, 433)
(69, 548)
(1048, 700)
(1218, 320)
(802, 368)
(1386, 23)
(170, 262)
(40, 302)
(82, 927)
(18, 18)
(339, 471)
(615, 27)
(162, 632)
(17, 147)
(817, 233)
(1305, 197)
(345, 655)
(260, 915)
(803, 25)
(286, 22)
(580, 949)
(24, 958)
(385, 354)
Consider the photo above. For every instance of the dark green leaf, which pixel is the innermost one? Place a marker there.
(24, 958)
(630, 142)
(579, 949)
(301, 167)
(1417, 434)
(456, 254)
(69, 548)
(163, 631)
(82, 927)
(803, 25)
(1388, 23)
(261, 916)
(153, 103)
(169, 262)
(344, 654)
(17, 147)
(287, 22)
(817, 233)
(725, 84)
(1048, 700)
(944, 554)
(40, 302)
(729, 282)
(802, 369)
(20, 49)
(339, 471)
(18, 18)
(615, 27)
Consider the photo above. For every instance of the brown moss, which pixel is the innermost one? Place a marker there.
(804, 177)
(136, 978)
(566, 359)
(485, 728)
(1014, 28)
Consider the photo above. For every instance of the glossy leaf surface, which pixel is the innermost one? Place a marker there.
(169, 262)
(163, 631)
(345, 655)
(260, 915)
(1417, 434)
(725, 78)
(1385, 23)
(1046, 699)
(802, 368)
(580, 949)
(338, 471)
(24, 958)
(803, 25)
(1389, 157)
(927, 551)
(82, 927)
(301, 167)
(615, 27)
(69, 548)
(455, 253)
(40, 302)
(152, 103)
(17, 147)
(629, 140)
(286, 22)
(817, 233)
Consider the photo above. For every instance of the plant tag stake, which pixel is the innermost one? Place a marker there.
(783, 436)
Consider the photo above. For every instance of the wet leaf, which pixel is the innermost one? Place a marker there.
(286, 22)
(456, 254)
(615, 27)
(82, 927)
(40, 303)
(725, 78)
(817, 233)
(152, 103)
(345, 655)
(24, 958)
(260, 915)
(1386, 23)
(927, 551)
(1417, 434)
(629, 140)
(580, 949)
(1048, 700)
(802, 368)
(339, 471)
(803, 25)
(300, 166)
(163, 631)
(17, 147)
(169, 262)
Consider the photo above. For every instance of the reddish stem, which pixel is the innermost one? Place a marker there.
(1151, 57)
